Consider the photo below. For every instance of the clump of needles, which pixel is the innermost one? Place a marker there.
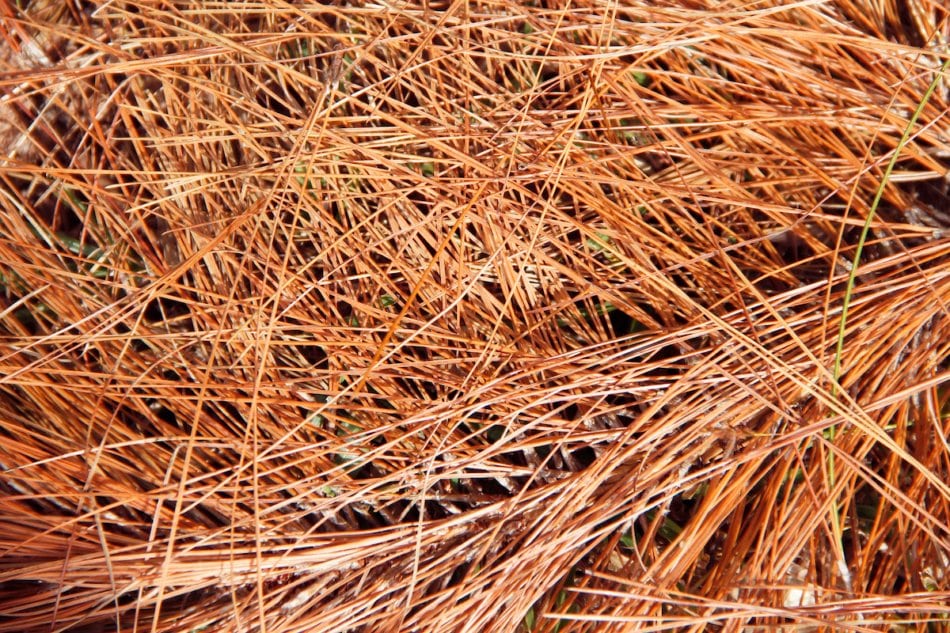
(474, 316)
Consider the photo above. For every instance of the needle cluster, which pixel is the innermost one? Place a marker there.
(473, 316)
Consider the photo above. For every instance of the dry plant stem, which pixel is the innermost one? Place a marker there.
(472, 316)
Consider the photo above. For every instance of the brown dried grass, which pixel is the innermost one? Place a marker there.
(477, 316)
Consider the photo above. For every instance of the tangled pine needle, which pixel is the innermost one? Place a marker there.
(472, 316)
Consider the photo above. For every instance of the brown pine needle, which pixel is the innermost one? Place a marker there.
(473, 316)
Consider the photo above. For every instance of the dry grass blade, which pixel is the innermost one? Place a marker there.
(473, 316)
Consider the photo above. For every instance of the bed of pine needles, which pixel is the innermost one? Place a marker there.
(474, 316)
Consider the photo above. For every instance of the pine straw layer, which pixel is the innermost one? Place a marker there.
(475, 317)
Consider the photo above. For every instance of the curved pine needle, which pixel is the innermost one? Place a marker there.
(472, 316)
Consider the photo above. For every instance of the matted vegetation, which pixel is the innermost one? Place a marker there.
(474, 316)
